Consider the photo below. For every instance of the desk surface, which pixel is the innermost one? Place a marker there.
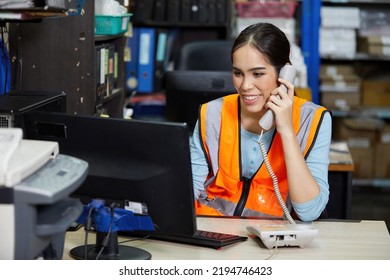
(340, 157)
(368, 240)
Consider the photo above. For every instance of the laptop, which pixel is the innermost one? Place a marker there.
(133, 162)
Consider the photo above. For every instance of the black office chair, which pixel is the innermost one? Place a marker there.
(186, 90)
(202, 72)
(207, 55)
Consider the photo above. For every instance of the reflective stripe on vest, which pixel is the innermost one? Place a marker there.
(225, 184)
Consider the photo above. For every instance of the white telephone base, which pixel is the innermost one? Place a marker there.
(284, 234)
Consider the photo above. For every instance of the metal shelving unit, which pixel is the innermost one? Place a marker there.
(310, 27)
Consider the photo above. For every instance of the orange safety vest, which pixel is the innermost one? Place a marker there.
(226, 191)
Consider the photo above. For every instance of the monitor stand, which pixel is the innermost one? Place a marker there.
(112, 251)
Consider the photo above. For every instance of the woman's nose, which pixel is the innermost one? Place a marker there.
(246, 84)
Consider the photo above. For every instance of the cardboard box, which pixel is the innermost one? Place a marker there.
(358, 132)
(361, 135)
(339, 70)
(375, 45)
(382, 161)
(382, 154)
(376, 92)
(341, 85)
(379, 50)
(337, 42)
(340, 17)
(378, 40)
(363, 162)
(340, 100)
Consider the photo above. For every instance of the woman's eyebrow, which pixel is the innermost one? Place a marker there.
(251, 69)
(257, 68)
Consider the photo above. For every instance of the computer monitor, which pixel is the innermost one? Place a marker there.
(129, 160)
(185, 91)
(15, 104)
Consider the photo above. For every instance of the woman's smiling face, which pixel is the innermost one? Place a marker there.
(253, 77)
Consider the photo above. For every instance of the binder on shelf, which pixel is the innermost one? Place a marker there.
(105, 56)
(143, 10)
(185, 11)
(159, 10)
(173, 11)
(164, 44)
(116, 66)
(194, 10)
(203, 11)
(212, 11)
(221, 11)
(160, 57)
(110, 68)
(146, 59)
(131, 65)
(100, 79)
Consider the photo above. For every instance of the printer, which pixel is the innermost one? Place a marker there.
(36, 208)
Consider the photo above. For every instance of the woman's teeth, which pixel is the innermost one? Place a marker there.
(251, 97)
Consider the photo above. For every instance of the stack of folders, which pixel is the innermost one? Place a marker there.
(106, 69)
(31, 9)
(28, 4)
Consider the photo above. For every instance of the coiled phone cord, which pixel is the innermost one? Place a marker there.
(274, 180)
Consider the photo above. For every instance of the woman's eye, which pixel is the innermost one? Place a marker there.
(236, 73)
(257, 74)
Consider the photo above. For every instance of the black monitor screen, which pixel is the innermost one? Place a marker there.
(129, 161)
(186, 90)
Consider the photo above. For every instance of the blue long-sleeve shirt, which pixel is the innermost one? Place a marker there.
(317, 161)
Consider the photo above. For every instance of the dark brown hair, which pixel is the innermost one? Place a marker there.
(269, 40)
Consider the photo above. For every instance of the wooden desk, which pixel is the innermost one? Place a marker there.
(366, 240)
(340, 182)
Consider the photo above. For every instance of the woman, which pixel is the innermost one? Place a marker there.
(229, 176)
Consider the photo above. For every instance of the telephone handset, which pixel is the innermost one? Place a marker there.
(288, 72)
